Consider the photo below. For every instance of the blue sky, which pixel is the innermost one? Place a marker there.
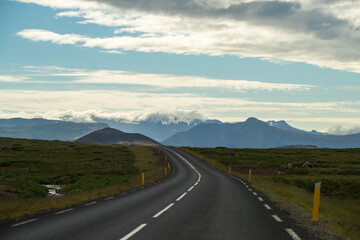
(230, 59)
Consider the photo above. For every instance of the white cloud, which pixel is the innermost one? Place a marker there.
(343, 130)
(159, 80)
(112, 52)
(7, 78)
(321, 33)
(120, 101)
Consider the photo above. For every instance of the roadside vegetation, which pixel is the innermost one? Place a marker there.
(84, 172)
(291, 174)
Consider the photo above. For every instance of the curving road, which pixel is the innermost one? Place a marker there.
(195, 202)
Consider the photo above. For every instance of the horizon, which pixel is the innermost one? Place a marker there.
(226, 60)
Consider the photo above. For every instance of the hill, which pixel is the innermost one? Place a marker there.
(254, 133)
(46, 129)
(114, 136)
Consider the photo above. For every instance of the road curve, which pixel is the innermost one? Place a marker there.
(195, 202)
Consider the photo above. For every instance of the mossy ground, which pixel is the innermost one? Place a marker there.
(87, 171)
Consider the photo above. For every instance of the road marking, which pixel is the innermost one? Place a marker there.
(109, 198)
(64, 211)
(292, 234)
(122, 194)
(130, 234)
(162, 211)
(267, 206)
(260, 199)
(190, 189)
(88, 204)
(179, 198)
(250, 189)
(195, 184)
(255, 193)
(134, 190)
(25, 222)
(276, 218)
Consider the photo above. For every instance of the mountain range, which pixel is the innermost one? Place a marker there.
(114, 136)
(254, 133)
(43, 129)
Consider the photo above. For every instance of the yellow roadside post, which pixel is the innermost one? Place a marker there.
(142, 178)
(229, 169)
(165, 158)
(316, 202)
(165, 172)
(213, 163)
(249, 175)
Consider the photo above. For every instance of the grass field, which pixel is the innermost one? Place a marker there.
(292, 173)
(86, 172)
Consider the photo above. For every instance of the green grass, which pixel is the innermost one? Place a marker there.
(283, 173)
(87, 171)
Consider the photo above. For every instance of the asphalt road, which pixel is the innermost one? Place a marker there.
(195, 202)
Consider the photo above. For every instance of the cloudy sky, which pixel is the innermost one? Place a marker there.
(297, 60)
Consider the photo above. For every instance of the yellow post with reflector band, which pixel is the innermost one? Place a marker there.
(316, 202)
(142, 178)
(249, 175)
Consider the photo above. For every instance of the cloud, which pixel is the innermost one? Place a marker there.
(137, 102)
(112, 52)
(37, 35)
(322, 33)
(343, 130)
(159, 80)
(6, 78)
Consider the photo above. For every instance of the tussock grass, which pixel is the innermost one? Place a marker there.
(87, 172)
(338, 169)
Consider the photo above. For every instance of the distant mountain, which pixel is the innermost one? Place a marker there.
(254, 133)
(299, 147)
(284, 125)
(114, 136)
(46, 129)
(13, 122)
(156, 129)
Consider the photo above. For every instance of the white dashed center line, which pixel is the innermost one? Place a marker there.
(88, 204)
(255, 193)
(164, 210)
(64, 211)
(25, 222)
(109, 198)
(179, 198)
(129, 235)
(260, 199)
(276, 218)
(293, 234)
(190, 189)
(267, 206)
